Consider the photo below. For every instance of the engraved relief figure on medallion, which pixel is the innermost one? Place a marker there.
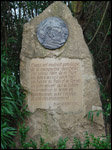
(52, 33)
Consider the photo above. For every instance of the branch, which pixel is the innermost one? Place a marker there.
(104, 39)
(107, 80)
(99, 24)
(90, 15)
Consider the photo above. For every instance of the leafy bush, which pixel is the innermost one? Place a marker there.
(62, 143)
(92, 142)
(6, 135)
(23, 134)
(77, 143)
(12, 99)
(44, 145)
(98, 143)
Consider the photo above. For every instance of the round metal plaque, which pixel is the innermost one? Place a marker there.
(52, 33)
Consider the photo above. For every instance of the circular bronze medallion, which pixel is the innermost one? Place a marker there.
(52, 33)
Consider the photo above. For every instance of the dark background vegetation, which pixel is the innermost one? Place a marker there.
(94, 18)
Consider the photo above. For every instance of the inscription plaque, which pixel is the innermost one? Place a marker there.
(55, 82)
(52, 33)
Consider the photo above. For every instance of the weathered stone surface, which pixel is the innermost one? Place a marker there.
(55, 82)
(64, 119)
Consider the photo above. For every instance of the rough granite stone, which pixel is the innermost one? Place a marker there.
(54, 123)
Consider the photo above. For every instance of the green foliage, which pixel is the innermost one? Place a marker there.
(12, 99)
(62, 143)
(91, 114)
(108, 109)
(106, 102)
(23, 134)
(103, 93)
(86, 143)
(97, 31)
(29, 145)
(98, 143)
(7, 133)
(92, 142)
(78, 144)
(44, 145)
(23, 131)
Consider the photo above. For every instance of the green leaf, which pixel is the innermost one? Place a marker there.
(97, 113)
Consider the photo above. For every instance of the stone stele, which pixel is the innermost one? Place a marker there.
(61, 86)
